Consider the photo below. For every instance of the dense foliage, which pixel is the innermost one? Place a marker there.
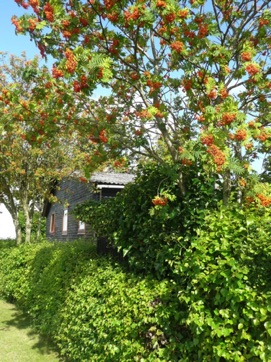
(149, 215)
(187, 84)
(90, 307)
(215, 305)
(193, 73)
(226, 277)
(32, 158)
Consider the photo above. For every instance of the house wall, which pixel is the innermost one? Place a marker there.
(7, 228)
(72, 192)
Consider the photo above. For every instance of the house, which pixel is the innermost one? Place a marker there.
(7, 228)
(60, 223)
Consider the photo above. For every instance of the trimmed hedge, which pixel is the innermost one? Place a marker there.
(88, 305)
(215, 307)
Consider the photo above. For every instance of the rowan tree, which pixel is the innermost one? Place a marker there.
(192, 74)
(37, 144)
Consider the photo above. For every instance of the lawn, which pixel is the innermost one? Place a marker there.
(18, 342)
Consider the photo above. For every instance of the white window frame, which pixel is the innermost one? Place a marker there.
(53, 223)
(81, 227)
(65, 222)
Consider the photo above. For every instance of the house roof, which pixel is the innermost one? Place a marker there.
(102, 179)
(110, 178)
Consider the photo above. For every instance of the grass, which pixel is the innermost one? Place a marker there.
(18, 342)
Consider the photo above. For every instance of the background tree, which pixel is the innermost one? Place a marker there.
(37, 145)
(195, 74)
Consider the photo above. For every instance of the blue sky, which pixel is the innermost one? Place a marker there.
(9, 41)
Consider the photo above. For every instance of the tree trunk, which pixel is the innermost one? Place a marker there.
(181, 184)
(28, 227)
(28, 222)
(18, 230)
(226, 187)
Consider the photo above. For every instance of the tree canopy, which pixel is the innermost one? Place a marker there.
(34, 149)
(193, 75)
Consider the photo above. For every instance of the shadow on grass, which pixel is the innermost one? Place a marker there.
(20, 320)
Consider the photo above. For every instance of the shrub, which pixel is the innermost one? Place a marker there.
(38, 276)
(227, 287)
(113, 316)
(214, 307)
(92, 309)
(148, 234)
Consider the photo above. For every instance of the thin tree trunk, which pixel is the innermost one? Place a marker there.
(226, 187)
(18, 230)
(181, 184)
(28, 222)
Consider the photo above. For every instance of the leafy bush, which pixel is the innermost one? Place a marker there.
(91, 308)
(214, 307)
(114, 317)
(226, 273)
(149, 234)
(37, 278)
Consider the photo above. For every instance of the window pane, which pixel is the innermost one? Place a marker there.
(52, 223)
(81, 225)
(65, 221)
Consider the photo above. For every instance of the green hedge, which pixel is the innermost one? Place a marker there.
(91, 308)
(215, 307)
(148, 234)
(227, 291)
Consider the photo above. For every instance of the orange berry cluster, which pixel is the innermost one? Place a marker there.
(212, 94)
(71, 62)
(49, 12)
(159, 200)
(22, 3)
(240, 135)
(264, 200)
(263, 22)
(186, 162)
(248, 146)
(217, 154)
(263, 136)
(207, 140)
(161, 4)
(153, 85)
(224, 93)
(183, 13)
(242, 182)
(169, 18)
(227, 118)
(109, 3)
(246, 56)
(187, 84)
(133, 15)
(56, 72)
(177, 46)
(144, 114)
(203, 30)
(17, 24)
(114, 17)
(32, 23)
(102, 136)
(33, 3)
(252, 69)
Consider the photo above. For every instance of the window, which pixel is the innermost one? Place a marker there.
(53, 223)
(81, 227)
(65, 222)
